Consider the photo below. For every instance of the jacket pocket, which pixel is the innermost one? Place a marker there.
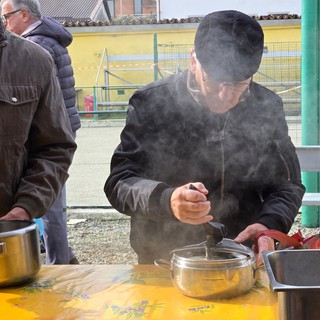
(18, 95)
(286, 152)
(17, 105)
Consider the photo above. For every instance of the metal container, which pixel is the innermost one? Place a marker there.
(227, 271)
(19, 251)
(295, 275)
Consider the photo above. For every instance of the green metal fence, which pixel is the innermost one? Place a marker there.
(279, 71)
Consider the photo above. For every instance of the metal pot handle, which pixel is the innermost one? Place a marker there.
(163, 264)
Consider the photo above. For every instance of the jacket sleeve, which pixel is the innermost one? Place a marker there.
(127, 188)
(50, 148)
(283, 200)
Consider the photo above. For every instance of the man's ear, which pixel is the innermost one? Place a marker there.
(25, 14)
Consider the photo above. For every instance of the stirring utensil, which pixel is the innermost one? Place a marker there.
(214, 231)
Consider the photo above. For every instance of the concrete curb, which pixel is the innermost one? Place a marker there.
(102, 214)
(102, 123)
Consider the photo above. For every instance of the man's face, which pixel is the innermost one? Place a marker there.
(12, 21)
(219, 96)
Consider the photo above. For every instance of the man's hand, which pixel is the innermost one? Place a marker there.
(17, 213)
(264, 243)
(191, 206)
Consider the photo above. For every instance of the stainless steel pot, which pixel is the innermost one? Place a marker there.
(227, 271)
(19, 251)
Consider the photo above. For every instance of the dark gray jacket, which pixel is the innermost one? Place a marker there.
(246, 161)
(36, 140)
(53, 37)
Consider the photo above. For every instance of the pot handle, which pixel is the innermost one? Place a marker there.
(163, 264)
(3, 249)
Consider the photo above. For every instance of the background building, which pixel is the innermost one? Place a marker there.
(119, 8)
(76, 10)
(190, 8)
(111, 60)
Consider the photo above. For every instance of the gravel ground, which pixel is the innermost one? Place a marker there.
(306, 232)
(98, 241)
(101, 241)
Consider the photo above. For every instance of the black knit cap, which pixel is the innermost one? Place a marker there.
(229, 45)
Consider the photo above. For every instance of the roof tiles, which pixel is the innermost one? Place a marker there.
(129, 20)
(69, 9)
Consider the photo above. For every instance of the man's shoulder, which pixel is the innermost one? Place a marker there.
(51, 33)
(164, 84)
(17, 41)
(262, 93)
(29, 51)
(43, 41)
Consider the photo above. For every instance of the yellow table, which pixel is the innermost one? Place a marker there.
(124, 292)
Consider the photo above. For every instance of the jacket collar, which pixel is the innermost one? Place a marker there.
(3, 36)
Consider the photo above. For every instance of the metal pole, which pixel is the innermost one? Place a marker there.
(158, 11)
(95, 116)
(155, 57)
(310, 96)
(106, 78)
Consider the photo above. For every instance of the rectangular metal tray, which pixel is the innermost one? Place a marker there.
(295, 275)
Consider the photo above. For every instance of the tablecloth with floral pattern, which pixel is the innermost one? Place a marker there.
(85, 292)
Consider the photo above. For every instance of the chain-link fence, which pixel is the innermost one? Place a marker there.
(279, 71)
(173, 58)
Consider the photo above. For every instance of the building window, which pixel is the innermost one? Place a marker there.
(111, 7)
(137, 4)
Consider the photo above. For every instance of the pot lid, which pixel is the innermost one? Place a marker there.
(224, 246)
(227, 254)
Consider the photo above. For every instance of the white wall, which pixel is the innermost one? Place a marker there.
(190, 8)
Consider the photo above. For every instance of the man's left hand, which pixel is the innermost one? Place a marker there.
(17, 213)
(264, 243)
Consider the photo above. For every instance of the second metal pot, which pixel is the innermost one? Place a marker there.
(229, 272)
(19, 251)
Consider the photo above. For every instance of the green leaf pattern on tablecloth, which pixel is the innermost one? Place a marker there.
(135, 311)
(38, 286)
(201, 308)
(74, 294)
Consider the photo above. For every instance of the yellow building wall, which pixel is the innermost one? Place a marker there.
(288, 33)
(87, 50)
(90, 44)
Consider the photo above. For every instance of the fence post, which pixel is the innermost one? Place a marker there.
(155, 57)
(310, 97)
(95, 116)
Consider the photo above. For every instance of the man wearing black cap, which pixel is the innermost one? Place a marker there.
(215, 128)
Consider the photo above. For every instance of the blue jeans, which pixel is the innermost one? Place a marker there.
(55, 232)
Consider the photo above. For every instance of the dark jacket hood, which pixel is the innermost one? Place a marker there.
(53, 29)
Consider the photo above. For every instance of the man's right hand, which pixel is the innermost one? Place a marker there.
(191, 206)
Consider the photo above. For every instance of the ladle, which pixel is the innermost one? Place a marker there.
(214, 231)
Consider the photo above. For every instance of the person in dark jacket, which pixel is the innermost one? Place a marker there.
(36, 141)
(214, 128)
(23, 17)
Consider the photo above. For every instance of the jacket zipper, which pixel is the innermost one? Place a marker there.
(222, 165)
(221, 138)
(282, 158)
